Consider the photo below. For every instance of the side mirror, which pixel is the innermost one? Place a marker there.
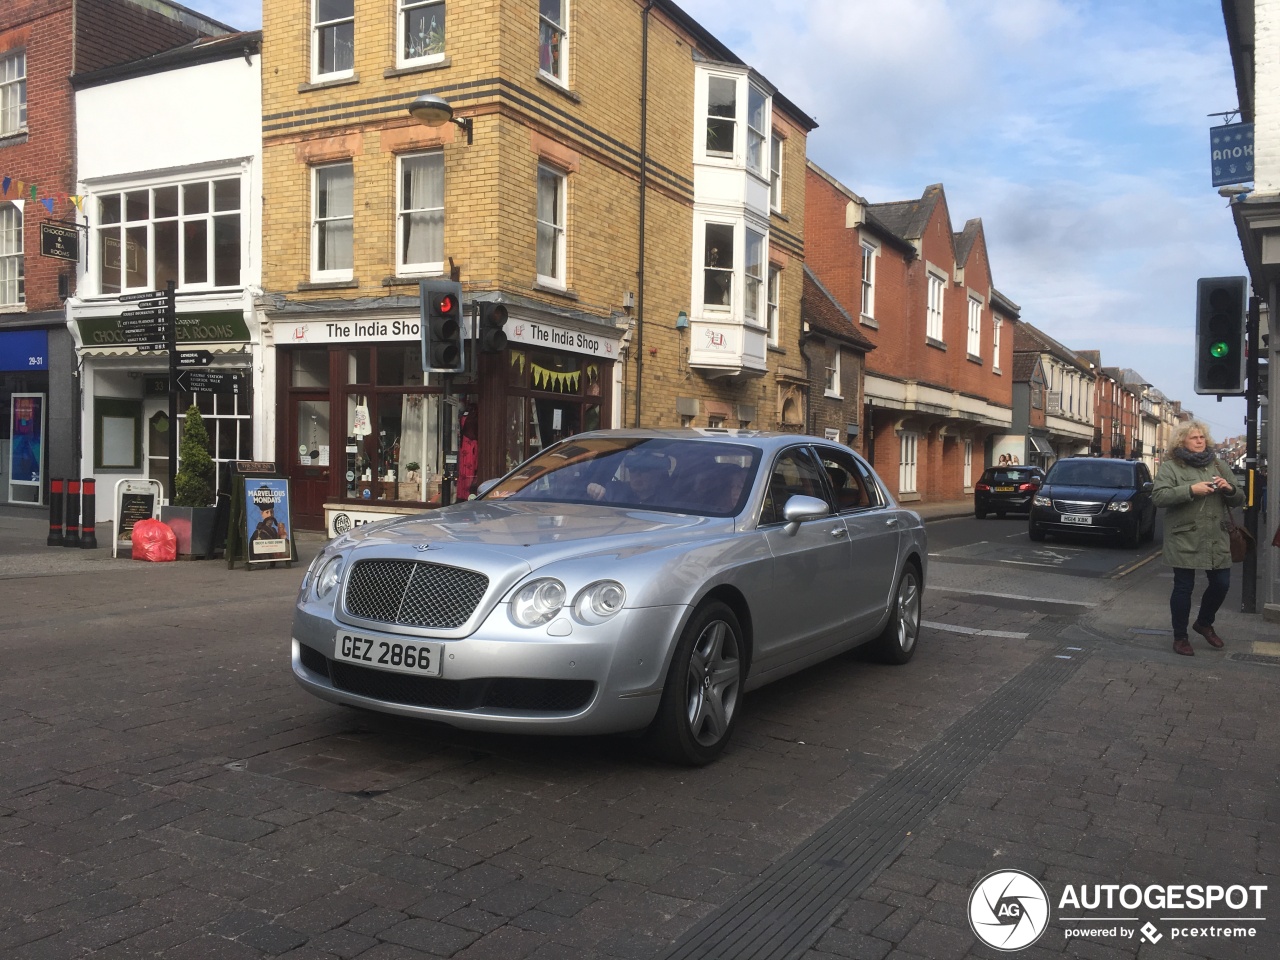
(1148, 486)
(800, 508)
(485, 487)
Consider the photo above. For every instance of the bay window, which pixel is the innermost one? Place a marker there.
(754, 279)
(717, 268)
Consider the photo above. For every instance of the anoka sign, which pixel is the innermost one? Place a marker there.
(1231, 153)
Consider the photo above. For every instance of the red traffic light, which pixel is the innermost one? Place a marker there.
(445, 304)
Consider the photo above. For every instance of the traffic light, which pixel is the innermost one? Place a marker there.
(1220, 335)
(493, 317)
(442, 339)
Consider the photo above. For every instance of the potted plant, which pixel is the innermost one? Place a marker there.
(190, 512)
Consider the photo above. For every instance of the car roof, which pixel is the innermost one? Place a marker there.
(763, 439)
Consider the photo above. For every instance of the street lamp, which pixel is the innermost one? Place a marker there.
(434, 111)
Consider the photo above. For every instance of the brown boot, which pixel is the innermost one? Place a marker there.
(1183, 646)
(1215, 641)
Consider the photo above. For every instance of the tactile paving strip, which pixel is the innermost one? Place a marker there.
(794, 901)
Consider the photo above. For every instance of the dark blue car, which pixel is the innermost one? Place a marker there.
(1095, 497)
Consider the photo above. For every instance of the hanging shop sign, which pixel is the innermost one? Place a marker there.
(60, 241)
(1231, 154)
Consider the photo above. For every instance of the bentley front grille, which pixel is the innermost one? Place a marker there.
(414, 594)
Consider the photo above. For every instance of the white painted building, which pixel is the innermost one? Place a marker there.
(169, 164)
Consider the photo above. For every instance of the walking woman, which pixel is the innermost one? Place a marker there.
(1193, 488)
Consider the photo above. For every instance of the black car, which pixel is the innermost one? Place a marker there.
(1101, 497)
(1002, 490)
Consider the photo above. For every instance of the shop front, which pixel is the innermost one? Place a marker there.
(126, 429)
(364, 433)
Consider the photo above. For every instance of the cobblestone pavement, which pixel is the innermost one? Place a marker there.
(168, 789)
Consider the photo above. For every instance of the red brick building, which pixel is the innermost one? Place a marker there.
(42, 44)
(938, 384)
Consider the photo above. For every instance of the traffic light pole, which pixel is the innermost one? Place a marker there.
(1249, 572)
(171, 344)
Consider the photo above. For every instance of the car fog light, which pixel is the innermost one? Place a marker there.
(327, 580)
(599, 601)
(1124, 506)
(537, 602)
(1042, 501)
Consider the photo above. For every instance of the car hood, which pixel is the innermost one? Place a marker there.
(1075, 491)
(483, 533)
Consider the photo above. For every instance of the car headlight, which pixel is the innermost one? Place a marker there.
(1121, 506)
(537, 602)
(1043, 501)
(597, 602)
(328, 577)
(306, 577)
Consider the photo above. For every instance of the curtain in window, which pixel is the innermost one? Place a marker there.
(11, 265)
(548, 224)
(334, 210)
(422, 194)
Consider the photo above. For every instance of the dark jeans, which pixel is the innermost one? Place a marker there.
(1184, 581)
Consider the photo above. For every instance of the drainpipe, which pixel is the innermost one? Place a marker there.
(644, 179)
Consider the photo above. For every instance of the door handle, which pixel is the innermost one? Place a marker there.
(839, 532)
(891, 522)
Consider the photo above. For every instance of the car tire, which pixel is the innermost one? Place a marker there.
(699, 705)
(1131, 537)
(979, 513)
(897, 642)
(999, 514)
(1150, 533)
(1035, 534)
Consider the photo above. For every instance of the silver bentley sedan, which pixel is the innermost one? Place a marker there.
(621, 580)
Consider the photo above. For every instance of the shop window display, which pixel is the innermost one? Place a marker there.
(550, 396)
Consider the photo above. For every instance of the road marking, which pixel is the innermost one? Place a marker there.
(973, 631)
(1013, 596)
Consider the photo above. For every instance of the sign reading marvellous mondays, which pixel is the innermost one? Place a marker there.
(1231, 153)
(522, 332)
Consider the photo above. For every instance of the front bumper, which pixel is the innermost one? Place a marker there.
(598, 679)
(1108, 523)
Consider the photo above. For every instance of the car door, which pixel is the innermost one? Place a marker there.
(798, 595)
(874, 536)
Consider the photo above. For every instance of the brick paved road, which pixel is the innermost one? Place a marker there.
(168, 789)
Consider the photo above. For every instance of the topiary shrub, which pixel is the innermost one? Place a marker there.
(193, 484)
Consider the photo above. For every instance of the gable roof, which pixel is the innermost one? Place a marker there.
(1027, 338)
(908, 218)
(965, 239)
(1025, 366)
(824, 315)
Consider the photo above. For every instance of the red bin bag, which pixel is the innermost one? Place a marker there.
(153, 540)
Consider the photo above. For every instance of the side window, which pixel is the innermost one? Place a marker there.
(795, 473)
(851, 486)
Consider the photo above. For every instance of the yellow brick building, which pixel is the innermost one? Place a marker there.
(582, 131)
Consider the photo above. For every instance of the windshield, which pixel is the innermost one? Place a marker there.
(1005, 475)
(703, 477)
(1092, 473)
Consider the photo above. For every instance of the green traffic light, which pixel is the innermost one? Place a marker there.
(1220, 349)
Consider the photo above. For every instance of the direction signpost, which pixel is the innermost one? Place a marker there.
(210, 381)
(194, 358)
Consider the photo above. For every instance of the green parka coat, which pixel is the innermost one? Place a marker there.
(1195, 534)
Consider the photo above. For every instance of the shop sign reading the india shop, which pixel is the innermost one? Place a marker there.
(522, 332)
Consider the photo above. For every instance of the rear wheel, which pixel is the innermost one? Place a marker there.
(980, 513)
(699, 705)
(999, 514)
(897, 643)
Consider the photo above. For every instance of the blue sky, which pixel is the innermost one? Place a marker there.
(1077, 130)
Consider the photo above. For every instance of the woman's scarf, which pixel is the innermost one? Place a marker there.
(1201, 459)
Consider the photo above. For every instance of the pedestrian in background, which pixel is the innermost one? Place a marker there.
(1197, 497)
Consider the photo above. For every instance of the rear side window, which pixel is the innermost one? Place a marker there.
(851, 486)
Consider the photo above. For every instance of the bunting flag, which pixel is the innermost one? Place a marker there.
(23, 189)
(554, 379)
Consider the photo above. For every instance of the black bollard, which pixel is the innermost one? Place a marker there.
(88, 534)
(72, 537)
(57, 503)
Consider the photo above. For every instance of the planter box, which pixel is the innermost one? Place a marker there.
(193, 526)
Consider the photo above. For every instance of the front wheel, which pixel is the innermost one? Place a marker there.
(1035, 534)
(699, 705)
(897, 643)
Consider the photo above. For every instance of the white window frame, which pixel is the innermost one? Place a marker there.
(974, 344)
(431, 8)
(403, 266)
(100, 232)
(12, 259)
(336, 274)
(704, 270)
(908, 450)
(772, 295)
(776, 145)
(754, 275)
(13, 92)
(870, 254)
(547, 25)
(995, 343)
(758, 132)
(933, 328)
(832, 386)
(318, 27)
(557, 227)
(968, 464)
